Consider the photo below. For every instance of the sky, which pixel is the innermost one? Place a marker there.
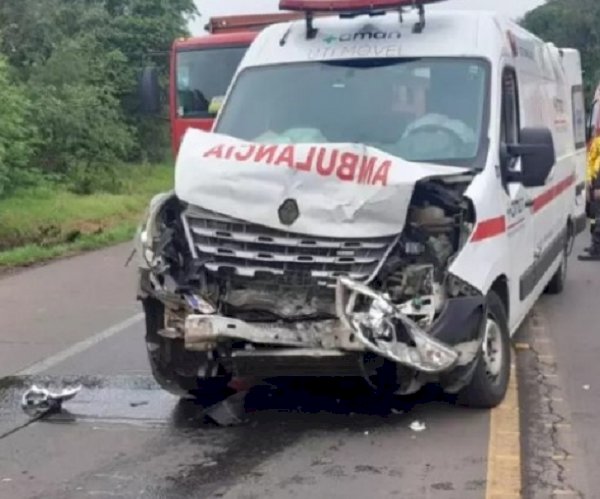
(208, 8)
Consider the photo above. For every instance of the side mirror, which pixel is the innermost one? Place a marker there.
(149, 91)
(536, 150)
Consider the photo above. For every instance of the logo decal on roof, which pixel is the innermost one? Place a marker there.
(361, 36)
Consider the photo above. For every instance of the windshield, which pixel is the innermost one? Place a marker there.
(431, 110)
(203, 75)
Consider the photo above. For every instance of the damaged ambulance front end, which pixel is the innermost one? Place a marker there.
(308, 260)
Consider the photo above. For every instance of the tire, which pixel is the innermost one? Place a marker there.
(489, 383)
(557, 284)
(174, 368)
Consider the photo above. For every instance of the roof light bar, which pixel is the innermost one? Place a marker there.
(347, 8)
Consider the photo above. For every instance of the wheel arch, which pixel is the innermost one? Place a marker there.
(501, 288)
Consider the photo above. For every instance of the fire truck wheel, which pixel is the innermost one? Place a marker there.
(174, 368)
(490, 379)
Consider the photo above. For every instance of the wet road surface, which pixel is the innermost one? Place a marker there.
(123, 437)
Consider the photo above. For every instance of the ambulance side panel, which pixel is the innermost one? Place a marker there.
(522, 232)
(571, 62)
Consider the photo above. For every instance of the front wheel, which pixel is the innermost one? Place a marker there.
(490, 379)
(174, 368)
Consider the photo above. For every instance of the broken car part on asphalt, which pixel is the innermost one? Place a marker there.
(418, 426)
(37, 401)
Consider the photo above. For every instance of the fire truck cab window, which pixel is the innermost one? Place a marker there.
(203, 75)
(417, 109)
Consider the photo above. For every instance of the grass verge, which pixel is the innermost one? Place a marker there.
(45, 223)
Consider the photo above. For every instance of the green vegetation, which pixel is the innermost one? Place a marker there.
(71, 129)
(45, 222)
(35, 253)
(574, 24)
(68, 87)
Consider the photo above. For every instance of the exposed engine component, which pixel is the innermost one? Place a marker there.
(414, 276)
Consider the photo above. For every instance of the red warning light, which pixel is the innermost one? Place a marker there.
(350, 5)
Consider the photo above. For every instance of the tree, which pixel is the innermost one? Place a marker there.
(574, 24)
(142, 31)
(17, 134)
(75, 100)
(75, 63)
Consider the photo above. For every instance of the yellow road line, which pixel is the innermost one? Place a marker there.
(504, 447)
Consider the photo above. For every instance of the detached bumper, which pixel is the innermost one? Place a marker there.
(453, 340)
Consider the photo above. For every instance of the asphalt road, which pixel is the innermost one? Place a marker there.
(76, 320)
(560, 385)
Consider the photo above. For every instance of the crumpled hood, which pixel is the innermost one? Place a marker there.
(340, 190)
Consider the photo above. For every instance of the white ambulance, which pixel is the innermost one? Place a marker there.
(386, 194)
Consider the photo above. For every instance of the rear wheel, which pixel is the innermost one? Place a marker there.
(174, 368)
(557, 283)
(490, 379)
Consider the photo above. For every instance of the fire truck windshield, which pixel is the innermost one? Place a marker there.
(428, 109)
(203, 75)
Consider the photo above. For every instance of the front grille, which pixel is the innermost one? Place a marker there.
(249, 250)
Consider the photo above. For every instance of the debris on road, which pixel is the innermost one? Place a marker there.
(586, 387)
(417, 426)
(228, 412)
(37, 401)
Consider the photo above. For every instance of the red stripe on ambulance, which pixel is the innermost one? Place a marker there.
(489, 228)
(493, 227)
(551, 194)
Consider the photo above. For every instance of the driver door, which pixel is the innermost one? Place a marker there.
(519, 220)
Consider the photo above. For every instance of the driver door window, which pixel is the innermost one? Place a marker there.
(510, 125)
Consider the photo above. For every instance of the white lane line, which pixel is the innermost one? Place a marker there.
(82, 346)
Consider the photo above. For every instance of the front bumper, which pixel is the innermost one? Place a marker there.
(453, 340)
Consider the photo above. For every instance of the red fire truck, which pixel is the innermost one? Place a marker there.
(202, 68)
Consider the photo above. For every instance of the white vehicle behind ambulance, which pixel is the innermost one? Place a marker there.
(386, 194)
